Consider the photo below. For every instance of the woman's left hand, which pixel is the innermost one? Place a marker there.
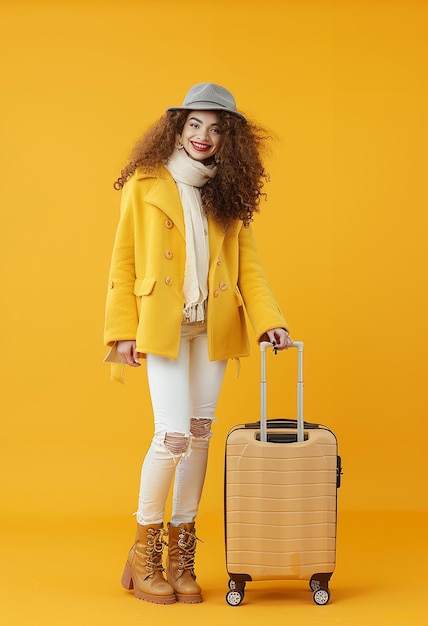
(280, 337)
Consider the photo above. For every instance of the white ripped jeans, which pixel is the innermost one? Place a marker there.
(184, 395)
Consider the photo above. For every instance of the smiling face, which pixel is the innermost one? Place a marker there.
(201, 136)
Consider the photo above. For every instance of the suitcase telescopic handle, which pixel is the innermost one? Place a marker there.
(300, 419)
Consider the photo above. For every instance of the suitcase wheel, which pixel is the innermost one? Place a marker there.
(234, 597)
(314, 584)
(321, 596)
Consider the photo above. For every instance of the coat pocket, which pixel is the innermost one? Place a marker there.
(144, 286)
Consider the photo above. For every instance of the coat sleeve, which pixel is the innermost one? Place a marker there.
(121, 316)
(260, 304)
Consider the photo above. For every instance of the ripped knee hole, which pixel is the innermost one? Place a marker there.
(176, 443)
(200, 427)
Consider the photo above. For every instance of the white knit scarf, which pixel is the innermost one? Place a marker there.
(189, 176)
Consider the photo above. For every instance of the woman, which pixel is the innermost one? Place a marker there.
(184, 274)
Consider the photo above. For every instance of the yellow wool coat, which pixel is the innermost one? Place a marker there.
(145, 291)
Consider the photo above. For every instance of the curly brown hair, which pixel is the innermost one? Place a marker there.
(236, 190)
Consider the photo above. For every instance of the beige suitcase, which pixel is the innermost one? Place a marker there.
(281, 480)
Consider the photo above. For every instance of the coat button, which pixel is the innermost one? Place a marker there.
(168, 254)
(219, 261)
(168, 280)
(223, 286)
(169, 224)
(216, 293)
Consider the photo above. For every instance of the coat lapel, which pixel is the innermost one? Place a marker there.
(217, 235)
(164, 195)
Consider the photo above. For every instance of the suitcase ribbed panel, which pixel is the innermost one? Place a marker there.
(280, 505)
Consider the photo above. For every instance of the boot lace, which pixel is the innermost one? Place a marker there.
(187, 548)
(154, 549)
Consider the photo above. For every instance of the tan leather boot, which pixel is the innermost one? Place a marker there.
(144, 571)
(180, 571)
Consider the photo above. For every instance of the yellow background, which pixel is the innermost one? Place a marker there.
(343, 237)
